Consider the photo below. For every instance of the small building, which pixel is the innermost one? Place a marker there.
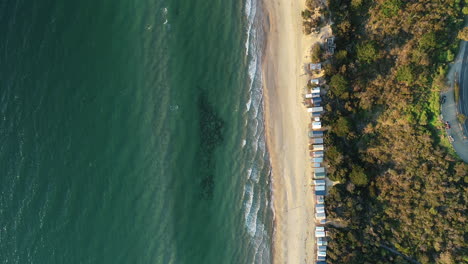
(314, 81)
(321, 248)
(316, 165)
(331, 46)
(316, 159)
(316, 114)
(323, 221)
(319, 199)
(315, 91)
(317, 140)
(321, 262)
(319, 228)
(316, 125)
(320, 193)
(315, 134)
(319, 175)
(322, 253)
(319, 216)
(316, 100)
(308, 96)
(321, 169)
(320, 187)
(315, 109)
(317, 147)
(315, 66)
(320, 210)
(317, 154)
(321, 258)
(319, 233)
(319, 182)
(320, 206)
(322, 241)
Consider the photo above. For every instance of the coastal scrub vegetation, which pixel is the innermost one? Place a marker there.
(401, 196)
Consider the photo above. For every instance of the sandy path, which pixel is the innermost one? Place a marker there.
(286, 123)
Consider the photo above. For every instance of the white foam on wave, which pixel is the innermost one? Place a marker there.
(250, 12)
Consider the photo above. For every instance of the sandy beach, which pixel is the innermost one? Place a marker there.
(286, 122)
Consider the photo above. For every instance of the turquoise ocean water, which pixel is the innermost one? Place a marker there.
(132, 132)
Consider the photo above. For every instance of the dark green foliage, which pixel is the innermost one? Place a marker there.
(390, 8)
(358, 176)
(402, 197)
(405, 74)
(342, 127)
(339, 86)
(367, 52)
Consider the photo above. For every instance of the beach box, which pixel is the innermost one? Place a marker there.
(320, 187)
(319, 182)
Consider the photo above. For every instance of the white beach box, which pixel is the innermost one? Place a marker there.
(319, 182)
(321, 169)
(320, 187)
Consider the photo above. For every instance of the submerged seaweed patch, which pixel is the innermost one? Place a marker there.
(211, 135)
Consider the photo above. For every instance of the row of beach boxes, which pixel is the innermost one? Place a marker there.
(321, 236)
(314, 96)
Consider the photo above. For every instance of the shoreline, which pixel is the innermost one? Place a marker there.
(286, 126)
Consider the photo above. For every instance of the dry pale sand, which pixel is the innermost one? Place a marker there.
(286, 123)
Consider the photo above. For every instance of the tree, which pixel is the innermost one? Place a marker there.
(342, 127)
(306, 14)
(316, 53)
(463, 34)
(358, 176)
(390, 8)
(339, 86)
(405, 74)
(366, 52)
(428, 41)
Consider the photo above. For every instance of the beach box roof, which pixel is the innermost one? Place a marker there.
(322, 253)
(320, 210)
(319, 192)
(321, 262)
(317, 140)
(320, 216)
(319, 233)
(315, 109)
(321, 258)
(315, 90)
(316, 114)
(319, 182)
(316, 125)
(320, 188)
(316, 100)
(315, 66)
(321, 248)
(317, 147)
(319, 199)
(320, 206)
(321, 169)
(316, 159)
(319, 228)
(319, 176)
(316, 164)
(315, 133)
(322, 242)
(323, 221)
(314, 81)
(308, 95)
(317, 154)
